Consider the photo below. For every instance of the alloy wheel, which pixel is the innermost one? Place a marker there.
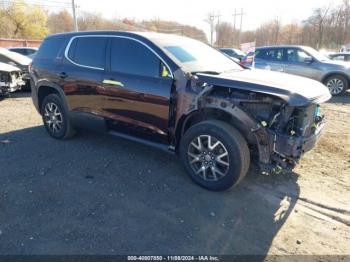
(335, 86)
(208, 157)
(53, 117)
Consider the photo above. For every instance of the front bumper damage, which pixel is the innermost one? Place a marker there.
(10, 82)
(286, 151)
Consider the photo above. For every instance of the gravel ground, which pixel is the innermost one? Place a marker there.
(96, 194)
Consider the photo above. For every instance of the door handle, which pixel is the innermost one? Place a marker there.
(63, 75)
(112, 82)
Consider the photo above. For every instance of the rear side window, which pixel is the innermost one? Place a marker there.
(270, 54)
(50, 48)
(88, 51)
(131, 57)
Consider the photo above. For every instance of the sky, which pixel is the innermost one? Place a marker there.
(193, 12)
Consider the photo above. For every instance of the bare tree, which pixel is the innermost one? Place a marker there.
(60, 22)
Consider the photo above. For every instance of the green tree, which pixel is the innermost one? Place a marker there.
(25, 21)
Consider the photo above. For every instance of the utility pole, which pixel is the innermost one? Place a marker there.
(234, 20)
(240, 28)
(74, 17)
(211, 17)
(241, 14)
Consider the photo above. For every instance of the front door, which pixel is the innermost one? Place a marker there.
(302, 64)
(137, 90)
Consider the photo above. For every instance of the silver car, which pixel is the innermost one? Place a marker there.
(305, 61)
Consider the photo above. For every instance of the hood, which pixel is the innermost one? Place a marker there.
(337, 64)
(8, 68)
(15, 57)
(296, 90)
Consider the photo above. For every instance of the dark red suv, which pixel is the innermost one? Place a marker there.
(180, 95)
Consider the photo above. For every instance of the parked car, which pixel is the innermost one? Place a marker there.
(343, 57)
(180, 95)
(10, 79)
(232, 52)
(17, 60)
(248, 60)
(304, 61)
(26, 51)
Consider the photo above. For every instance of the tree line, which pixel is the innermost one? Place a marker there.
(22, 20)
(326, 27)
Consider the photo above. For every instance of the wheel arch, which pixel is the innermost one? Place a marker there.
(46, 88)
(336, 73)
(203, 114)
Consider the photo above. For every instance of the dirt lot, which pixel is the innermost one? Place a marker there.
(96, 194)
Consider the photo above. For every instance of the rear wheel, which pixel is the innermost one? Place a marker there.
(55, 118)
(215, 155)
(336, 84)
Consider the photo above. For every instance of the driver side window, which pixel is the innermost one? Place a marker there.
(297, 55)
(131, 57)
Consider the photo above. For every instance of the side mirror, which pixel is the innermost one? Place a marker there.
(308, 60)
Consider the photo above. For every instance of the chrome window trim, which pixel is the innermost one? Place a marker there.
(115, 36)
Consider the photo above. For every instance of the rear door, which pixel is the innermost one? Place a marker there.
(270, 59)
(81, 73)
(137, 89)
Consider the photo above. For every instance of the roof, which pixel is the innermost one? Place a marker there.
(341, 53)
(281, 46)
(149, 35)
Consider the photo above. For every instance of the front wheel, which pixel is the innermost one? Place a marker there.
(215, 155)
(336, 84)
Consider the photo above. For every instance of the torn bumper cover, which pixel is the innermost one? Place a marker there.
(286, 150)
(293, 147)
(10, 82)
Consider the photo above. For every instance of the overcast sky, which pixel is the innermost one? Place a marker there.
(192, 12)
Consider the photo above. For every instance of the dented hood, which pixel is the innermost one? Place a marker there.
(297, 91)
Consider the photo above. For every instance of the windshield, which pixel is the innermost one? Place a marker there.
(239, 52)
(195, 56)
(316, 54)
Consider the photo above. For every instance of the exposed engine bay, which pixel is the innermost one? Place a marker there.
(281, 133)
(10, 81)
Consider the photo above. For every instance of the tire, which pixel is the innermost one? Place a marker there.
(230, 142)
(337, 84)
(54, 115)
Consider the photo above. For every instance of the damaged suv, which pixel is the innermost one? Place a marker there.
(10, 79)
(180, 95)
